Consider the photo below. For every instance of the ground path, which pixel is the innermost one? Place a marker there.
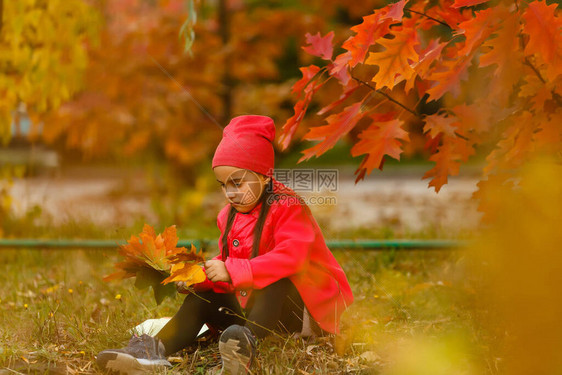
(399, 200)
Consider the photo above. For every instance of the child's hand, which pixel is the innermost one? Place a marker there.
(181, 287)
(216, 271)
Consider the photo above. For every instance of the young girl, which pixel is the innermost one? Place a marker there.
(274, 272)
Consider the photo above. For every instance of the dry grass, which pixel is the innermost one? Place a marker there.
(56, 313)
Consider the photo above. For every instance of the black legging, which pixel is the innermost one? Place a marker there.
(275, 307)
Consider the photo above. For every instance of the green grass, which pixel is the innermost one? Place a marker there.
(56, 313)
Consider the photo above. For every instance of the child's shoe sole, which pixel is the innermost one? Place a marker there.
(123, 363)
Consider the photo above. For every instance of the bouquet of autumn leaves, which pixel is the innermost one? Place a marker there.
(155, 261)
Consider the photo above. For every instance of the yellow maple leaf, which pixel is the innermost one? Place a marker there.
(147, 250)
(189, 273)
(185, 267)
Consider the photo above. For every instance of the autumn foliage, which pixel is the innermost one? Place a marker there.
(158, 100)
(43, 56)
(493, 70)
(156, 261)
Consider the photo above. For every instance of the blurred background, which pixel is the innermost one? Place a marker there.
(110, 111)
(113, 109)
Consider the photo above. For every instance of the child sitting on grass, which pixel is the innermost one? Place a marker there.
(274, 271)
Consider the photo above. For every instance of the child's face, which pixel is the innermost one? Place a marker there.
(242, 187)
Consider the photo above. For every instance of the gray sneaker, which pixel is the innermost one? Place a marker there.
(237, 347)
(144, 353)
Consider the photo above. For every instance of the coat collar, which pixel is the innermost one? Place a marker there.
(255, 212)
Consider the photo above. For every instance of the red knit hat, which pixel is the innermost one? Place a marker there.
(247, 143)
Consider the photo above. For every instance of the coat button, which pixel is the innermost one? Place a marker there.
(236, 243)
(243, 293)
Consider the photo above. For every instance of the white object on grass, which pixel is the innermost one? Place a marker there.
(152, 326)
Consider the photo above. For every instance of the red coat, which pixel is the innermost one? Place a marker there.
(292, 246)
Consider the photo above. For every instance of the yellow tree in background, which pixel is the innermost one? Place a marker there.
(43, 54)
(43, 57)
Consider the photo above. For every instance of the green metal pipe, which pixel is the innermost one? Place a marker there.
(334, 244)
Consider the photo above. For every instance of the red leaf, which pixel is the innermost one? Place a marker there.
(373, 27)
(320, 46)
(338, 126)
(308, 73)
(478, 29)
(290, 127)
(545, 36)
(452, 16)
(433, 143)
(338, 68)
(467, 3)
(396, 10)
(379, 139)
(308, 85)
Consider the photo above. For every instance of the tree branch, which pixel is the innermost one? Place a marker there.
(429, 17)
(555, 96)
(227, 81)
(528, 63)
(386, 96)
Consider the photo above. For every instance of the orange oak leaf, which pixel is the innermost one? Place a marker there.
(549, 135)
(448, 77)
(320, 46)
(478, 29)
(515, 146)
(450, 154)
(440, 123)
(446, 164)
(505, 54)
(381, 138)
(396, 59)
(338, 125)
(426, 59)
(489, 190)
(368, 32)
(475, 118)
(544, 29)
(373, 27)
(464, 148)
(536, 91)
(521, 140)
